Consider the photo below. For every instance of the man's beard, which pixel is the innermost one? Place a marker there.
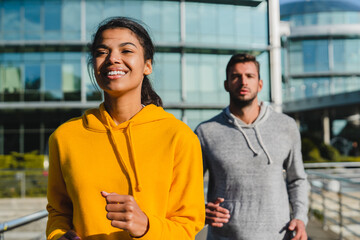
(240, 103)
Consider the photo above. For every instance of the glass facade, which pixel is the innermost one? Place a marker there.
(323, 18)
(321, 55)
(43, 59)
(36, 76)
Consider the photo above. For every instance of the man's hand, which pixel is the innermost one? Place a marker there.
(299, 227)
(70, 235)
(216, 216)
(125, 213)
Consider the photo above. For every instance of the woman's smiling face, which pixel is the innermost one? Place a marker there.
(119, 62)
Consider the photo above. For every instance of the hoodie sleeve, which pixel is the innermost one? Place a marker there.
(186, 208)
(59, 204)
(296, 178)
(199, 134)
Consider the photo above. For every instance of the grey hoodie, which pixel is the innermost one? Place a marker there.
(258, 170)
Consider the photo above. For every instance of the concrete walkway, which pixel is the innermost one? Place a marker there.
(12, 208)
(314, 230)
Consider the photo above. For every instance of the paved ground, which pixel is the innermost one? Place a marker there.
(13, 208)
(314, 230)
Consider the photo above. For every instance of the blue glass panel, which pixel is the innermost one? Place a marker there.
(263, 59)
(170, 21)
(352, 53)
(309, 60)
(94, 15)
(322, 55)
(243, 24)
(133, 9)
(339, 54)
(11, 20)
(227, 24)
(260, 25)
(32, 20)
(192, 22)
(72, 56)
(71, 20)
(226, 33)
(166, 77)
(195, 117)
(50, 56)
(32, 77)
(53, 82)
(204, 82)
(9, 57)
(152, 15)
(52, 77)
(113, 8)
(208, 23)
(34, 56)
(52, 20)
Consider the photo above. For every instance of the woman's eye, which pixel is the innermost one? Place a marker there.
(100, 52)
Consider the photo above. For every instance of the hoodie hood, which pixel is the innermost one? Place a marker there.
(99, 120)
(240, 125)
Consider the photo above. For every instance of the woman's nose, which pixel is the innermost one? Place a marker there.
(114, 58)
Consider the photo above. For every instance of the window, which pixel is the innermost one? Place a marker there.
(32, 82)
(226, 24)
(204, 77)
(315, 55)
(10, 81)
(11, 21)
(94, 10)
(166, 77)
(52, 20)
(33, 27)
(71, 79)
(71, 20)
(52, 86)
(195, 117)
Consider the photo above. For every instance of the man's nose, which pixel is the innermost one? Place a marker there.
(244, 80)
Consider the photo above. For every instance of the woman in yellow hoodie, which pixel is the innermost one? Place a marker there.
(127, 169)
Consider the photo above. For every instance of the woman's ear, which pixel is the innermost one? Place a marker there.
(148, 67)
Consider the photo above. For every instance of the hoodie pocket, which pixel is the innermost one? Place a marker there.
(230, 228)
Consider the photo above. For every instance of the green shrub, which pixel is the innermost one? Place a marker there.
(31, 160)
(329, 152)
(10, 183)
(310, 151)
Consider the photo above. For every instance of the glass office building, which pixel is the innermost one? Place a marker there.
(321, 59)
(44, 78)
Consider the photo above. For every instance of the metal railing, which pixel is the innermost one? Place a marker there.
(6, 226)
(335, 197)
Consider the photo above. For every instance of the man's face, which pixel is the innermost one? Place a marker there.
(243, 83)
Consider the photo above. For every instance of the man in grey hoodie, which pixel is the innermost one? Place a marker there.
(257, 183)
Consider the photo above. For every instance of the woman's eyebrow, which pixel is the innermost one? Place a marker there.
(120, 45)
(101, 46)
(127, 43)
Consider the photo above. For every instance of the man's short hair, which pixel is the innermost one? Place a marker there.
(242, 58)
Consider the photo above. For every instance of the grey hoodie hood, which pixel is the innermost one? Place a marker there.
(240, 125)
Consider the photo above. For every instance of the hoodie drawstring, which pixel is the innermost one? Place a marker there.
(117, 152)
(133, 156)
(246, 138)
(258, 136)
(262, 145)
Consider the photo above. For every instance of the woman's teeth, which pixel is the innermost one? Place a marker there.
(112, 73)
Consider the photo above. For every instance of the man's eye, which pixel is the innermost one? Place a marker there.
(126, 51)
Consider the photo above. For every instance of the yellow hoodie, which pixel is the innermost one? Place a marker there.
(154, 157)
